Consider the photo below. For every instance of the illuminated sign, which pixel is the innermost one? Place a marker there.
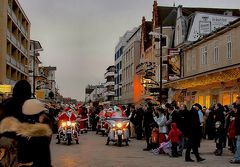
(6, 88)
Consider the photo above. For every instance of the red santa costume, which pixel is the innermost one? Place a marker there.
(68, 115)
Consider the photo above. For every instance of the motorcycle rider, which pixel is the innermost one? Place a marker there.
(67, 115)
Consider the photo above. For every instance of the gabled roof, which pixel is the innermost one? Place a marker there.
(170, 20)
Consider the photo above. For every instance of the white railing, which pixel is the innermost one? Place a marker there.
(109, 74)
(110, 83)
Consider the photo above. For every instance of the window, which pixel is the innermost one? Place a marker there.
(226, 99)
(204, 55)
(216, 54)
(229, 47)
(194, 64)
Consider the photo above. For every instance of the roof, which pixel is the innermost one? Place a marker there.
(213, 33)
(189, 10)
(110, 67)
(170, 20)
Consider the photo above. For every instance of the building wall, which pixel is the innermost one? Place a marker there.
(15, 42)
(193, 57)
(131, 58)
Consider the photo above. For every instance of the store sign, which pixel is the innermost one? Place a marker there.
(174, 64)
(205, 23)
(6, 88)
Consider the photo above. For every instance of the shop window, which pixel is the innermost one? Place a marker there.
(200, 100)
(226, 99)
(207, 102)
(234, 97)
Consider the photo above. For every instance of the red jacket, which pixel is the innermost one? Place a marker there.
(66, 117)
(174, 134)
(232, 129)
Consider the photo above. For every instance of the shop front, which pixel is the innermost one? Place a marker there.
(208, 89)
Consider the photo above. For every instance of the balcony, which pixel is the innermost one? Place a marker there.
(108, 74)
(109, 83)
(20, 67)
(110, 93)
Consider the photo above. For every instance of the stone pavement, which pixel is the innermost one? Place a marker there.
(92, 152)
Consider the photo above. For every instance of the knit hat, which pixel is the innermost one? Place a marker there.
(32, 107)
(22, 89)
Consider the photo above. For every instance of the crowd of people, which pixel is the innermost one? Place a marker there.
(27, 125)
(179, 128)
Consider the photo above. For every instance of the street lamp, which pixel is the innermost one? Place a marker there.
(159, 36)
(36, 48)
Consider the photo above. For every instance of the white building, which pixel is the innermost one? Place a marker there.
(118, 63)
(130, 59)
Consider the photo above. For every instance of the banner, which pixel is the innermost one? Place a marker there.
(174, 64)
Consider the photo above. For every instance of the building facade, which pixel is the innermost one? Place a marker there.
(15, 42)
(211, 68)
(118, 64)
(130, 59)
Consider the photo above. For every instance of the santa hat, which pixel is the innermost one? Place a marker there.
(67, 109)
(32, 107)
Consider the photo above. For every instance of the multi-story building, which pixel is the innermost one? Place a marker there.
(109, 85)
(118, 64)
(180, 26)
(130, 59)
(211, 68)
(15, 42)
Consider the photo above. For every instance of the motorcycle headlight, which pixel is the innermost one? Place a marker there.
(64, 124)
(69, 123)
(114, 125)
(119, 125)
(73, 124)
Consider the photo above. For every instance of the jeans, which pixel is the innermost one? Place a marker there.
(237, 153)
(181, 144)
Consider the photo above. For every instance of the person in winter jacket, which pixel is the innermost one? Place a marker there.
(161, 121)
(219, 120)
(232, 129)
(31, 135)
(174, 137)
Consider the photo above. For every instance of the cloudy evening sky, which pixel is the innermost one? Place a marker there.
(79, 36)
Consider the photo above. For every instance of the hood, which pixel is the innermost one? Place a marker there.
(11, 124)
(174, 126)
(22, 89)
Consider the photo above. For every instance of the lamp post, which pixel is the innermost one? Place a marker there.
(159, 36)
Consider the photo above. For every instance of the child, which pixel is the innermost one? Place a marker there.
(174, 137)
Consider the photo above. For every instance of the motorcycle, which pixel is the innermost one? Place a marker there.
(83, 125)
(118, 132)
(102, 126)
(67, 132)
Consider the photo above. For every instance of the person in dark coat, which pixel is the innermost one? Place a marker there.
(210, 126)
(13, 106)
(193, 136)
(147, 122)
(172, 117)
(219, 120)
(138, 125)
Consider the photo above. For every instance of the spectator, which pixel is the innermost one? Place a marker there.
(172, 116)
(138, 126)
(147, 122)
(232, 128)
(174, 137)
(132, 118)
(236, 159)
(210, 126)
(193, 136)
(161, 121)
(219, 121)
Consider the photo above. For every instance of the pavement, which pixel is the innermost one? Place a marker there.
(92, 152)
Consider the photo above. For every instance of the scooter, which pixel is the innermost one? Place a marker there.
(67, 132)
(118, 131)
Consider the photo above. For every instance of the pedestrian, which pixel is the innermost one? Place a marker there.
(236, 158)
(161, 121)
(172, 116)
(210, 126)
(147, 122)
(132, 118)
(219, 121)
(193, 136)
(198, 107)
(183, 119)
(139, 123)
(174, 137)
(232, 128)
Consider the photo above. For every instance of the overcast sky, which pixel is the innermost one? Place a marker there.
(79, 36)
